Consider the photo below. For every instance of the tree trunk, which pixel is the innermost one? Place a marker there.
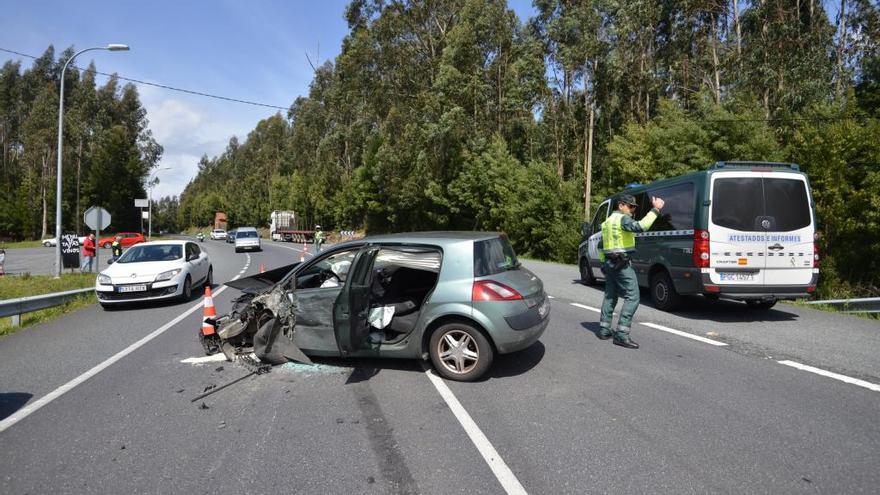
(738, 33)
(715, 63)
(588, 156)
(841, 44)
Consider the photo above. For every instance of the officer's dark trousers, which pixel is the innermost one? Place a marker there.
(620, 283)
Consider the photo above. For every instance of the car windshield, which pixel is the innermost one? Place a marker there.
(245, 233)
(494, 256)
(156, 252)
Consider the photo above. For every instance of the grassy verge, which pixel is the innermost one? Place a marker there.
(27, 285)
(20, 244)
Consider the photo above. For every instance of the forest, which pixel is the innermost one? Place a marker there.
(458, 114)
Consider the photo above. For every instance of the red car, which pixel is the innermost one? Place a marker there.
(128, 239)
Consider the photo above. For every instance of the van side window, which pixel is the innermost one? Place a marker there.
(601, 215)
(678, 213)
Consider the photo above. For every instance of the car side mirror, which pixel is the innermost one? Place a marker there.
(192, 257)
(110, 261)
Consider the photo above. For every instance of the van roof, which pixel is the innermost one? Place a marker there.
(714, 167)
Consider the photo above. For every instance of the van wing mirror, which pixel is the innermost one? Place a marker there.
(586, 229)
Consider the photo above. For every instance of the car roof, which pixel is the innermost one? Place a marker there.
(246, 228)
(435, 237)
(157, 243)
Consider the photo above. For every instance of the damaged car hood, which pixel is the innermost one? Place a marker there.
(261, 281)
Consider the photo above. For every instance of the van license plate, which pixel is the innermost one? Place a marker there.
(132, 288)
(736, 277)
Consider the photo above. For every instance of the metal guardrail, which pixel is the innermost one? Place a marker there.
(19, 306)
(861, 305)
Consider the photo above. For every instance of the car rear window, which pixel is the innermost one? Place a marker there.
(739, 202)
(245, 233)
(493, 256)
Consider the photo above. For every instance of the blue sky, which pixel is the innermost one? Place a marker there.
(251, 50)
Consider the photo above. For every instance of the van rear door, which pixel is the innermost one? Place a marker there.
(737, 242)
(790, 229)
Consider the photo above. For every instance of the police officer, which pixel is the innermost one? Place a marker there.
(319, 238)
(117, 247)
(618, 242)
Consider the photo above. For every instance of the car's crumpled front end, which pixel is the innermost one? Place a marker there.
(262, 322)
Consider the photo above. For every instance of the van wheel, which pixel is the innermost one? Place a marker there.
(761, 305)
(587, 277)
(663, 292)
(460, 352)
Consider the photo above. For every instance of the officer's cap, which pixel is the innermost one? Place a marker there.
(627, 199)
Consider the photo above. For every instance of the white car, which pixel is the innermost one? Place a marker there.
(155, 270)
(247, 238)
(52, 242)
(218, 234)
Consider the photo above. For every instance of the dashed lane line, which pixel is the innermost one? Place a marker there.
(683, 334)
(584, 306)
(829, 374)
(67, 387)
(503, 473)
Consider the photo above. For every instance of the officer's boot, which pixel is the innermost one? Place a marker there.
(604, 332)
(621, 338)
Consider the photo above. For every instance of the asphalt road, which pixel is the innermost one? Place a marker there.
(571, 414)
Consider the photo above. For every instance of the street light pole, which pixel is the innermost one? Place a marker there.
(150, 203)
(113, 48)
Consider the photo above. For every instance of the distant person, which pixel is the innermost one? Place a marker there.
(618, 243)
(319, 238)
(117, 247)
(88, 252)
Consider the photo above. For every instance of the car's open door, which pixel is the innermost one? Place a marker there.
(352, 307)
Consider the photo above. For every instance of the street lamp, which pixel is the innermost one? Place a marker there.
(150, 203)
(113, 47)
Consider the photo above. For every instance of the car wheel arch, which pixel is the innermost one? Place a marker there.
(438, 322)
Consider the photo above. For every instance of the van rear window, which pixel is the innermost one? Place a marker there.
(493, 256)
(786, 201)
(740, 203)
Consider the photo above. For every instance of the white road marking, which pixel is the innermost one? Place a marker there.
(684, 334)
(829, 374)
(550, 297)
(213, 358)
(67, 387)
(505, 476)
(583, 306)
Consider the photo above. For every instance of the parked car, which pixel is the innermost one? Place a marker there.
(218, 234)
(230, 236)
(52, 242)
(247, 238)
(128, 239)
(742, 230)
(456, 298)
(155, 270)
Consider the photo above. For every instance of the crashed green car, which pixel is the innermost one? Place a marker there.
(456, 298)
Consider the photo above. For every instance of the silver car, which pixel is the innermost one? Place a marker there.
(456, 298)
(247, 238)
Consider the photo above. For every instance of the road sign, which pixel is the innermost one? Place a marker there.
(141, 203)
(97, 218)
(70, 251)
(145, 215)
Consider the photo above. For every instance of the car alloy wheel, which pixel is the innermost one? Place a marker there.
(106, 245)
(186, 294)
(460, 352)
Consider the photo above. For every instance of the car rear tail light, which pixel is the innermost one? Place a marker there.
(815, 254)
(488, 290)
(811, 288)
(701, 248)
(712, 288)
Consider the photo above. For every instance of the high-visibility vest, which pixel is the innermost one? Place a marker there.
(617, 240)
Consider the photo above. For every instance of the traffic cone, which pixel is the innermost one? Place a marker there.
(262, 268)
(209, 312)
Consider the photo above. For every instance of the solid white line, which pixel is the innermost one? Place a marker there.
(67, 387)
(505, 476)
(213, 358)
(829, 374)
(597, 310)
(684, 334)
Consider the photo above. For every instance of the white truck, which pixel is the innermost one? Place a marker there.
(285, 225)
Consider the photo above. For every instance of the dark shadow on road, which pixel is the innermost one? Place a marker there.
(516, 363)
(592, 326)
(11, 402)
(724, 311)
(363, 369)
